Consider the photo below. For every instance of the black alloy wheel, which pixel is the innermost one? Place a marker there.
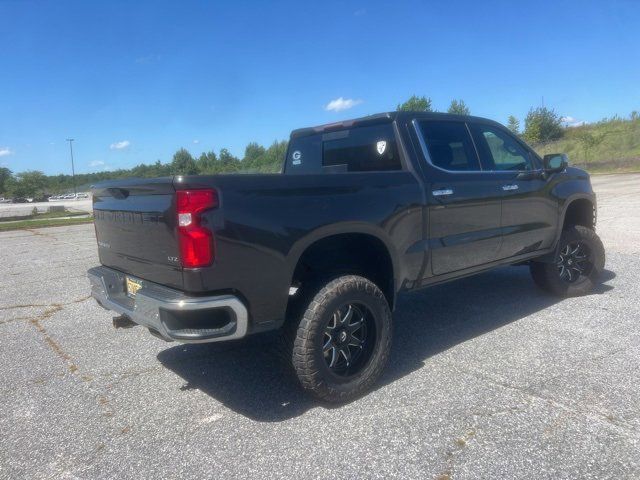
(348, 337)
(574, 261)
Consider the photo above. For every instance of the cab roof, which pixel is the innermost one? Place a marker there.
(386, 117)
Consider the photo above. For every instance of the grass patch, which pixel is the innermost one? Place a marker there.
(45, 222)
(608, 146)
(59, 214)
(625, 165)
(47, 215)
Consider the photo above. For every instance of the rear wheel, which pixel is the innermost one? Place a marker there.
(342, 342)
(578, 263)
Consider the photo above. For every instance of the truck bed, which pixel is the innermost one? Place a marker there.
(262, 225)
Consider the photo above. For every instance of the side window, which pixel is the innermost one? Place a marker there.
(362, 149)
(449, 145)
(499, 151)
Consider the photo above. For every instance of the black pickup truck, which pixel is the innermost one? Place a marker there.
(363, 210)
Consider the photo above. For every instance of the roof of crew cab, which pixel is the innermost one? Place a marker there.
(386, 117)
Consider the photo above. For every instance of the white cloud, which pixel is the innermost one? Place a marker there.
(120, 145)
(196, 141)
(99, 165)
(5, 151)
(340, 104)
(569, 121)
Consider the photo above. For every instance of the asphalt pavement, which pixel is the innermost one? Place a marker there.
(489, 378)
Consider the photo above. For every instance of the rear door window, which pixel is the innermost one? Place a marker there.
(361, 149)
(449, 146)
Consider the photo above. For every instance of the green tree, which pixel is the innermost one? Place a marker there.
(228, 162)
(208, 163)
(157, 169)
(542, 125)
(253, 152)
(416, 104)
(274, 157)
(29, 184)
(5, 175)
(183, 163)
(589, 141)
(513, 124)
(459, 108)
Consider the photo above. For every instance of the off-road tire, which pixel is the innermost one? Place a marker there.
(307, 357)
(547, 276)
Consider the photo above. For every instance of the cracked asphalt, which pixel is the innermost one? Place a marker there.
(489, 378)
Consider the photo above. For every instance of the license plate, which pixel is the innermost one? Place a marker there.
(133, 286)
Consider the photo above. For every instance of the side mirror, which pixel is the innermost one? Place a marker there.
(555, 162)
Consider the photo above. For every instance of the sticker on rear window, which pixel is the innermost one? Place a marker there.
(381, 146)
(297, 157)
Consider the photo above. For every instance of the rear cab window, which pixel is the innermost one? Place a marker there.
(359, 149)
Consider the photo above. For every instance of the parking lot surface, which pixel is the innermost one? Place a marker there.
(489, 378)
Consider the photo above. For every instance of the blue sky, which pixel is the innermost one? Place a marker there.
(134, 81)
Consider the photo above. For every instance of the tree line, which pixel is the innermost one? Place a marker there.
(541, 125)
(256, 159)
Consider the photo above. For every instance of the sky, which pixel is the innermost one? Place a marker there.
(131, 82)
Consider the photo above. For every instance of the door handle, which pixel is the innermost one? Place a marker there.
(442, 192)
(507, 188)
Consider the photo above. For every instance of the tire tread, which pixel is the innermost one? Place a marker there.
(309, 376)
(545, 275)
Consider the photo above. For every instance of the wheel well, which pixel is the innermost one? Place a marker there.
(580, 212)
(352, 253)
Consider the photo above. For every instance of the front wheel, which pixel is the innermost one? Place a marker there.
(343, 340)
(577, 266)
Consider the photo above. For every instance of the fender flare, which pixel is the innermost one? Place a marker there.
(343, 228)
(550, 257)
(565, 207)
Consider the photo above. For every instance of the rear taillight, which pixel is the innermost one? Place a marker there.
(196, 240)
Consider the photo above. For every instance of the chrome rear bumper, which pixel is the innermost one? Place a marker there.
(170, 313)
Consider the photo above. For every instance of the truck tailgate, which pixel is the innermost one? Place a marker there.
(135, 224)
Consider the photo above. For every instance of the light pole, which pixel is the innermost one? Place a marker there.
(73, 170)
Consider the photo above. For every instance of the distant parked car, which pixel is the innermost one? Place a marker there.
(82, 195)
(19, 200)
(5, 200)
